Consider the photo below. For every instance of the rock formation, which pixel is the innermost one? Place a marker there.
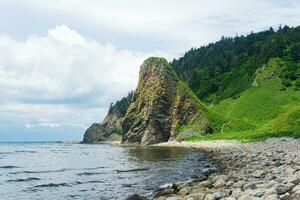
(111, 127)
(162, 104)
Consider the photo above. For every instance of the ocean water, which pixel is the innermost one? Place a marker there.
(34, 171)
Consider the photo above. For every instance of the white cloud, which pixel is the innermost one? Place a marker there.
(29, 125)
(54, 125)
(186, 23)
(48, 125)
(62, 78)
(64, 34)
(64, 66)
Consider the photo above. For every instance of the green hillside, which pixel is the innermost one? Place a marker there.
(254, 100)
(266, 109)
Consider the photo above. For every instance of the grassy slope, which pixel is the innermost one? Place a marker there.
(262, 111)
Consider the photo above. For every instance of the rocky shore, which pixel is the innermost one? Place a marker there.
(267, 170)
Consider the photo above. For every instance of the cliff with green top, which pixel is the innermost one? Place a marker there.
(162, 104)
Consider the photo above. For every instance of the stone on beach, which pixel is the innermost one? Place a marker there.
(267, 170)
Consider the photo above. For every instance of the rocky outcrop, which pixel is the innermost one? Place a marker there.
(162, 104)
(111, 127)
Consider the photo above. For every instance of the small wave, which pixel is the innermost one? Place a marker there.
(89, 173)
(127, 185)
(6, 153)
(24, 180)
(95, 181)
(85, 182)
(31, 190)
(38, 172)
(8, 167)
(134, 170)
(46, 171)
(78, 183)
(92, 168)
(25, 151)
(52, 185)
(52, 171)
(73, 195)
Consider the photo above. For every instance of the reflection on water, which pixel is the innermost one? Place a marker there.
(153, 153)
(49, 171)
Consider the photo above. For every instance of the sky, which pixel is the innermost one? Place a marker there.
(63, 62)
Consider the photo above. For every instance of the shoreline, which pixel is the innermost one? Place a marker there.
(203, 145)
(268, 170)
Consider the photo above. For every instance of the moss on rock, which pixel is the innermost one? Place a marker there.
(162, 104)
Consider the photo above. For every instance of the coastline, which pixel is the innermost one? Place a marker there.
(205, 145)
(268, 170)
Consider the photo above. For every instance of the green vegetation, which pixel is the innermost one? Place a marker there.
(243, 137)
(262, 111)
(250, 85)
(115, 137)
(226, 68)
(120, 107)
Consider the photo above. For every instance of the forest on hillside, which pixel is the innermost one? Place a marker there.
(226, 68)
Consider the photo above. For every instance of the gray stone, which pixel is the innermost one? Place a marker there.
(285, 196)
(258, 194)
(219, 183)
(136, 197)
(258, 173)
(205, 183)
(238, 184)
(236, 193)
(295, 179)
(173, 198)
(184, 191)
(181, 185)
(221, 177)
(281, 189)
(250, 185)
(245, 197)
(296, 189)
(209, 197)
(196, 196)
(219, 195)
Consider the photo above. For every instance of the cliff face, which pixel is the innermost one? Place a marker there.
(161, 105)
(111, 127)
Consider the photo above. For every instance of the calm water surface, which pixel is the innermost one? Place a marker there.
(76, 171)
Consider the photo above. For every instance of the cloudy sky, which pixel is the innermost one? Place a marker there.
(63, 62)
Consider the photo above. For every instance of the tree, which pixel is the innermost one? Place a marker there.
(297, 84)
(295, 52)
(110, 110)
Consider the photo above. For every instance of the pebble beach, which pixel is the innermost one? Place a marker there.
(268, 170)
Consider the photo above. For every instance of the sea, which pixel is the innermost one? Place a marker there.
(48, 170)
